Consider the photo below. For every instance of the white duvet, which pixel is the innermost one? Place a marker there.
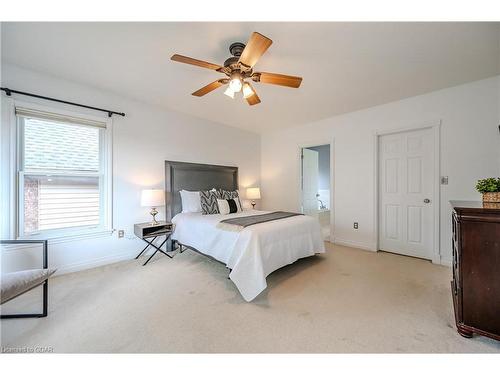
(254, 252)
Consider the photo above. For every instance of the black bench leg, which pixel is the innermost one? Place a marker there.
(44, 308)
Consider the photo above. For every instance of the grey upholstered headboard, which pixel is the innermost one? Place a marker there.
(194, 177)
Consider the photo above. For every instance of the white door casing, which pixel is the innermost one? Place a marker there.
(310, 170)
(406, 192)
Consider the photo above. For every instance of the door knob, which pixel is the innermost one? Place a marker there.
(427, 200)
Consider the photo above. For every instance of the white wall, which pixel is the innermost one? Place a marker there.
(142, 141)
(470, 149)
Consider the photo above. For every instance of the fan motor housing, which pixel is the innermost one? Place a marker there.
(236, 49)
(231, 61)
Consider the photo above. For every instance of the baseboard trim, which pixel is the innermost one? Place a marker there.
(445, 262)
(92, 263)
(356, 244)
(372, 247)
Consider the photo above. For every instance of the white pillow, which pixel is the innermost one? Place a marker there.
(190, 201)
(223, 206)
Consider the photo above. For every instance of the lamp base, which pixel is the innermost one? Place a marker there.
(253, 205)
(153, 213)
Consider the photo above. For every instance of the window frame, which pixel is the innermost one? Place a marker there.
(104, 174)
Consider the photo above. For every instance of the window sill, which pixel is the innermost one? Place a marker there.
(62, 238)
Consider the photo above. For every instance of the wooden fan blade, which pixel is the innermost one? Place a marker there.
(210, 87)
(200, 63)
(254, 99)
(280, 79)
(254, 49)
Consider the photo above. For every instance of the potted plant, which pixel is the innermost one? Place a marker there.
(490, 188)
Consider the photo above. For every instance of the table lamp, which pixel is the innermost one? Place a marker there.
(153, 198)
(253, 193)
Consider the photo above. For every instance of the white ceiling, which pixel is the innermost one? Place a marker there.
(345, 66)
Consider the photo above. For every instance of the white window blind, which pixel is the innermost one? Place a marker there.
(61, 173)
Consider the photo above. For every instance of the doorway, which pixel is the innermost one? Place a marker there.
(316, 185)
(407, 198)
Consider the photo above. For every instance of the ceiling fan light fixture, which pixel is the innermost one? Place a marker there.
(247, 90)
(229, 92)
(235, 84)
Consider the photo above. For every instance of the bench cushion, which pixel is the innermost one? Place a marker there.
(17, 283)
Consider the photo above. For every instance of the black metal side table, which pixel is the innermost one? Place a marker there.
(149, 233)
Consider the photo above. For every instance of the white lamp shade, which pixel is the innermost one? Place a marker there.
(253, 193)
(152, 198)
(229, 92)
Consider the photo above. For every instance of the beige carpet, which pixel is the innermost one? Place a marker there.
(347, 300)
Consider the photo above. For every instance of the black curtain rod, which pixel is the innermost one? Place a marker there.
(9, 92)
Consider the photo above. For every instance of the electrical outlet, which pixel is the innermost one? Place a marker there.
(121, 233)
(355, 225)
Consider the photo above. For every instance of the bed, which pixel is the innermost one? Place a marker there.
(251, 253)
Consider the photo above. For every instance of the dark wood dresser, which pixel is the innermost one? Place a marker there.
(476, 268)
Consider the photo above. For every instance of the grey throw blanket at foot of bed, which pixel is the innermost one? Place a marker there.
(238, 223)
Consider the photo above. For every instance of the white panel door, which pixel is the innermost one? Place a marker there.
(310, 175)
(406, 201)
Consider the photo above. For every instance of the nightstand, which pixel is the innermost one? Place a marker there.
(149, 233)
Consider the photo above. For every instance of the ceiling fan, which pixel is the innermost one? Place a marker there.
(239, 69)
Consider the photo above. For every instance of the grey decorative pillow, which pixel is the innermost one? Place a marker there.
(226, 194)
(208, 200)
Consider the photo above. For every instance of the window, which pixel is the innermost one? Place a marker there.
(62, 174)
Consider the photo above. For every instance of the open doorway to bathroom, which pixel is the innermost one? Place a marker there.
(316, 185)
